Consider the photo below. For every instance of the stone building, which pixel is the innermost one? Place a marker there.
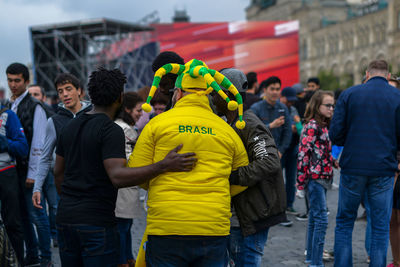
(338, 35)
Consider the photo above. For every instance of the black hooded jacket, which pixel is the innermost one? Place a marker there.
(263, 203)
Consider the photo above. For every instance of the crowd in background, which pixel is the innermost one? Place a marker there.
(293, 139)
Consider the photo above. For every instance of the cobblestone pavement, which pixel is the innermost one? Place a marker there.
(285, 245)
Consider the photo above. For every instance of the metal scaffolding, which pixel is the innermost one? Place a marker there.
(80, 47)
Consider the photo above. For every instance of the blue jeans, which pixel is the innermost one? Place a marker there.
(380, 193)
(180, 251)
(317, 223)
(88, 245)
(50, 194)
(247, 251)
(125, 239)
(289, 163)
(40, 219)
(368, 230)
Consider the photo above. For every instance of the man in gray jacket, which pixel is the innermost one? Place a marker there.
(263, 204)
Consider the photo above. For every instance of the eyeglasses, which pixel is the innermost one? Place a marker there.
(332, 106)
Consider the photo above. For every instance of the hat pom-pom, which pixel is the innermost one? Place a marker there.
(240, 125)
(146, 107)
(232, 105)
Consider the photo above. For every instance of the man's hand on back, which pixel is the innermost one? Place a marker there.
(174, 162)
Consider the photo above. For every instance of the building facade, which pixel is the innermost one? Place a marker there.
(339, 36)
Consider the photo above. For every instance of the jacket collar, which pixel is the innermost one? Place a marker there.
(86, 106)
(377, 78)
(193, 99)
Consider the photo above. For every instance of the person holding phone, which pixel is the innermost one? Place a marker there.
(274, 114)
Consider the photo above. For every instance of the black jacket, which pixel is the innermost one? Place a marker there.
(263, 204)
(63, 116)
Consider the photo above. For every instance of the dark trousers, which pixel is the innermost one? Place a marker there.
(88, 245)
(289, 163)
(10, 210)
(180, 251)
(125, 239)
(52, 198)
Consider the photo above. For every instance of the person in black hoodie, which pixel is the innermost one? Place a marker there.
(263, 204)
(69, 91)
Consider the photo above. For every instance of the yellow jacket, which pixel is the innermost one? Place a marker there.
(196, 202)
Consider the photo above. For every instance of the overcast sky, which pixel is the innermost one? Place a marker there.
(16, 16)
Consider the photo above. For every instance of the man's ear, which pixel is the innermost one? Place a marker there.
(388, 76)
(367, 76)
(179, 94)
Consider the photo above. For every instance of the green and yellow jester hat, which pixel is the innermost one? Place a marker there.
(196, 75)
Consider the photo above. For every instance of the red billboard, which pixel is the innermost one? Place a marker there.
(267, 48)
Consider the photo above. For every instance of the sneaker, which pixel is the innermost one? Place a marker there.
(30, 262)
(335, 186)
(302, 217)
(46, 263)
(286, 223)
(291, 210)
(326, 256)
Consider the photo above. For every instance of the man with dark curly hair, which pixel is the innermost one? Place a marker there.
(167, 83)
(90, 167)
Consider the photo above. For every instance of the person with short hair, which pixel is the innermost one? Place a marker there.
(70, 107)
(274, 114)
(33, 118)
(313, 84)
(37, 92)
(90, 167)
(167, 82)
(251, 95)
(367, 123)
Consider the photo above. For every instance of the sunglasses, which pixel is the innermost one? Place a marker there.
(332, 106)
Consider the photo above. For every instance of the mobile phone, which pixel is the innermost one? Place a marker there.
(281, 112)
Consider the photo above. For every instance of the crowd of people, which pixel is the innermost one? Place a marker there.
(222, 158)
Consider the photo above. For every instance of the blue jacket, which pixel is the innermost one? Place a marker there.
(268, 113)
(367, 123)
(13, 135)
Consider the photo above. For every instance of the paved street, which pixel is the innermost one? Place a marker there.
(285, 246)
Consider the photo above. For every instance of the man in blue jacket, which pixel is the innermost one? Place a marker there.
(274, 114)
(367, 123)
(12, 143)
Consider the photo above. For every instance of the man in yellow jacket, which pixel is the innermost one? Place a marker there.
(188, 213)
